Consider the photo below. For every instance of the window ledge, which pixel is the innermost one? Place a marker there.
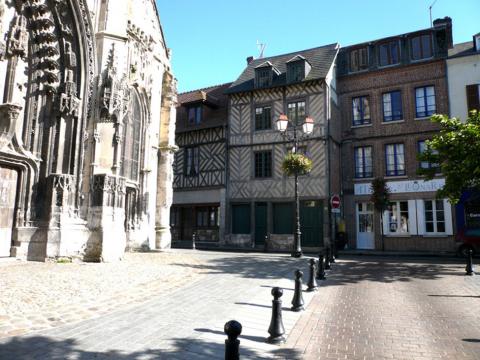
(396, 176)
(422, 118)
(434, 235)
(392, 122)
(363, 179)
(360, 126)
(421, 60)
(399, 235)
(388, 66)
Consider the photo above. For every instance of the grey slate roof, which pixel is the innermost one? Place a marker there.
(462, 49)
(320, 59)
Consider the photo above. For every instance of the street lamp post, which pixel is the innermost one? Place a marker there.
(306, 128)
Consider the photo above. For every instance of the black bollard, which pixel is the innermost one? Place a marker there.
(276, 329)
(327, 260)
(297, 302)
(332, 255)
(312, 283)
(335, 251)
(193, 240)
(233, 329)
(321, 267)
(469, 268)
(265, 244)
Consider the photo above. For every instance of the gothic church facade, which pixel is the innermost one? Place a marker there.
(87, 122)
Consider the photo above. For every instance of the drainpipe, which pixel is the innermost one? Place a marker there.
(327, 136)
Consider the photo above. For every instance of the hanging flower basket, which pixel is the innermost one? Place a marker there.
(296, 163)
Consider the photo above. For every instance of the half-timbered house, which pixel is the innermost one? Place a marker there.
(200, 167)
(260, 198)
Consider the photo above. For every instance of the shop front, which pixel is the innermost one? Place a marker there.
(415, 219)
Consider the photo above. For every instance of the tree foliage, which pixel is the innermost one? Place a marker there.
(456, 152)
(380, 195)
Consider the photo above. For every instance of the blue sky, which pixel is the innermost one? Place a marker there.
(210, 39)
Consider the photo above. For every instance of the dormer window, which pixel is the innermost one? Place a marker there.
(195, 115)
(421, 47)
(476, 42)
(358, 59)
(264, 74)
(263, 77)
(297, 69)
(389, 53)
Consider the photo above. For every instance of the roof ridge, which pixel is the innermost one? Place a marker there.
(206, 88)
(296, 52)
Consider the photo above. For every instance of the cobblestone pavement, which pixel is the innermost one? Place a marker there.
(368, 308)
(36, 296)
(372, 308)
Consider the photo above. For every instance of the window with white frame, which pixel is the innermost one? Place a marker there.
(392, 106)
(361, 111)
(398, 217)
(363, 162)
(434, 216)
(424, 101)
(395, 159)
(422, 147)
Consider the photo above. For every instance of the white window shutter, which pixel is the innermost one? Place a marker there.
(448, 217)
(421, 217)
(386, 230)
(412, 217)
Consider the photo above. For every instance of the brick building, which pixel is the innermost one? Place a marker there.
(388, 89)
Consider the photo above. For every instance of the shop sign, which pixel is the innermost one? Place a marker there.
(407, 186)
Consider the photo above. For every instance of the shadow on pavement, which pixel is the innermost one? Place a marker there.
(349, 269)
(388, 270)
(269, 266)
(40, 347)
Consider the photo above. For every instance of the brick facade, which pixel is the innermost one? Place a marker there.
(409, 130)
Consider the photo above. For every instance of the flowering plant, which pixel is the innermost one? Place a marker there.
(296, 163)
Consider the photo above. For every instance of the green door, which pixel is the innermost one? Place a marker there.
(260, 223)
(311, 223)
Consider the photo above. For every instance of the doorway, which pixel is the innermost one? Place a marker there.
(311, 223)
(8, 191)
(260, 223)
(365, 230)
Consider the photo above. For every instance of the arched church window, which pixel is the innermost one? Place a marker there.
(132, 139)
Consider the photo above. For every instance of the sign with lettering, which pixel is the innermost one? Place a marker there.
(407, 186)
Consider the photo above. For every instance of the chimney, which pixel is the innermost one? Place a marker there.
(447, 23)
(249, 60)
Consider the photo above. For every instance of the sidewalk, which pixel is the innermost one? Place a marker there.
(184, 324)
(382, 308)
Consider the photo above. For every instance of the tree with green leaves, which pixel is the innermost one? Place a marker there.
(381, 199)
(455, 151)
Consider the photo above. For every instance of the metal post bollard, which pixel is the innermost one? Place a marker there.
(321, 267)
(194, 236)
(297, 301)
(233, 329)
(312, 283)
(332, 255)
(276, 329)
(327, 260)
(265, 244)
(469, 268)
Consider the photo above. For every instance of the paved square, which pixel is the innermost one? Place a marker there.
(368, 308)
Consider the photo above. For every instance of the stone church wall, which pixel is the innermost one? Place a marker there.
(87, 117)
